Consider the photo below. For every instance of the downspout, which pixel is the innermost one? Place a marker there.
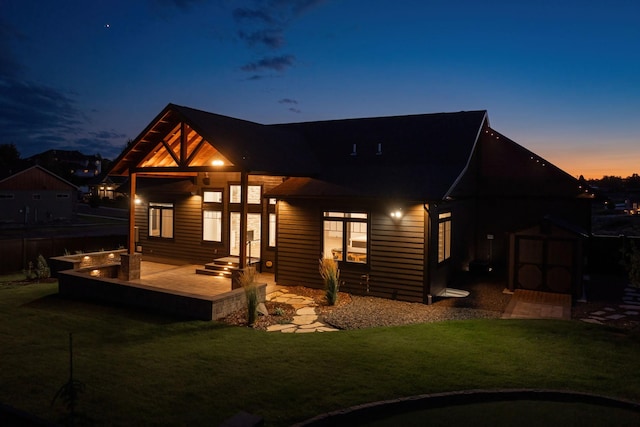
(428, 298)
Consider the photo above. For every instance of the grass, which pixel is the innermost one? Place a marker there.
(142, 369)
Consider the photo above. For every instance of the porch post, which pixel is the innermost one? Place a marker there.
(244, 191)
(130, 262)
(132, 213)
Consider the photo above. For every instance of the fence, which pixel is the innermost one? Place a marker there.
(15, 254)
(605, 253)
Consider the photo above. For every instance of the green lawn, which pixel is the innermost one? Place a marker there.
(142, 369)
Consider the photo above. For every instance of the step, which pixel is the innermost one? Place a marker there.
(215, 273)
(220, 267)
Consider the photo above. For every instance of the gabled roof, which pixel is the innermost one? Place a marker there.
(414, 156)
(182, 139)
(35, 178)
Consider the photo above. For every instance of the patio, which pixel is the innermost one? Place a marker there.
(172, 277)
(163, 286)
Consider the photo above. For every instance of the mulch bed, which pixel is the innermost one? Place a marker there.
(486, 299)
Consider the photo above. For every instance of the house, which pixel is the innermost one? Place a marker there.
(36, 195)
(403, 203)
(106, 187)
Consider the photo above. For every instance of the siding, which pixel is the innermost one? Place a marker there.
(397, 256)
(396, 252)
(299, 244)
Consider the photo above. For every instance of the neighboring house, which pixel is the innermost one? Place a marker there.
(35, 196)
(403, 203)
(72, 161)
(107, 187)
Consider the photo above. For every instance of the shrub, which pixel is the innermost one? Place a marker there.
(247, 279)
(42, 268)
(331, 276)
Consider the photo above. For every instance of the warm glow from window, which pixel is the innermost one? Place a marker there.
(217, 163)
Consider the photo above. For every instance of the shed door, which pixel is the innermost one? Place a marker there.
(546, 265)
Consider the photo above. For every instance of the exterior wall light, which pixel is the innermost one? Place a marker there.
(396, 214)
(138, 201)
(217, 163)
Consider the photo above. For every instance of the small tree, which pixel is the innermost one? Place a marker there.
(247, 279)
(70, 391)
(631, 262)
(331, 276)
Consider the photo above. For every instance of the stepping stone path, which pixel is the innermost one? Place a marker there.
(630, 308)
(306, 317)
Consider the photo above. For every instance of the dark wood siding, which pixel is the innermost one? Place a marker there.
(396, 252)
(299, 244)
(397, 256)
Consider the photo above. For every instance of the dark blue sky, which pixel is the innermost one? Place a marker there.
(561, 78)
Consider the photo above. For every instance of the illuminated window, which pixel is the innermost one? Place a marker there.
(161, 220)
(212, 215)
(272, 230)
(345, 236)
(444, 236)
(254, 194)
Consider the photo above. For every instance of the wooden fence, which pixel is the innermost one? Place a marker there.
(16, 253)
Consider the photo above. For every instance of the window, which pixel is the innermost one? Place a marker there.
(254, 194)
(272, 230)
(62, 196)
(35, 196)
(161, 220)
(444, 236)
(212, 225)
(212, 196)
(6, 196)
(212, 215)
(345, 230)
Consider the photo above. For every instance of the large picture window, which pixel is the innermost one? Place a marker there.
(161, 220)
(444, 236)
(345, 236)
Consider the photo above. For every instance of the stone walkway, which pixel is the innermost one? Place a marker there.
(628, 310)
(306, 318)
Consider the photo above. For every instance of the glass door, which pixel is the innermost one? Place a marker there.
(253, 232)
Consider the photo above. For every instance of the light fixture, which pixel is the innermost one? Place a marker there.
(396, 214)
(217, 162)
(138, 201)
